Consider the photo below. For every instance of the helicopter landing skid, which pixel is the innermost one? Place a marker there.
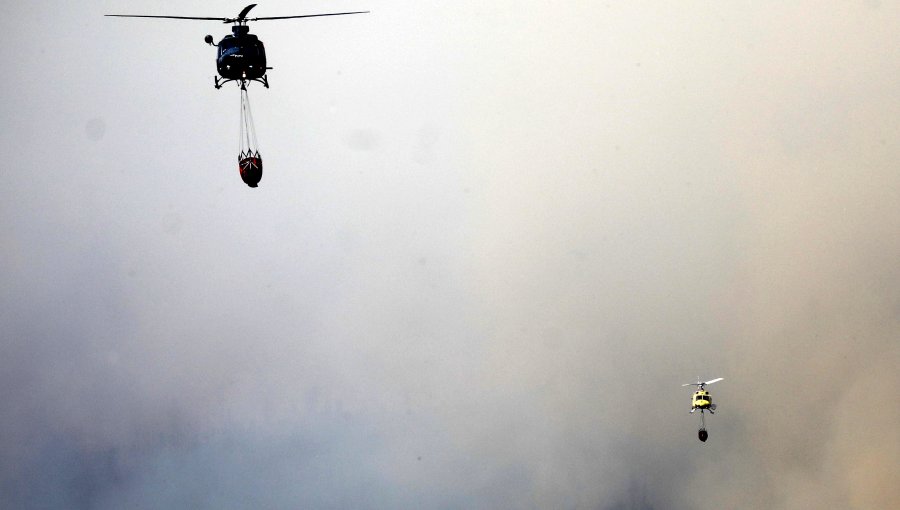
(241, 81)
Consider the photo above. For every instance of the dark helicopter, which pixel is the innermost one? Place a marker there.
(241, 56)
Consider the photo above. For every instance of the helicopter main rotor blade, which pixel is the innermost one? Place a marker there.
(243, 14)
(165, 17)
(307, 16)
(714, 380)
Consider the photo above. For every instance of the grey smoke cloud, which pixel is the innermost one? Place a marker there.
(491, 243)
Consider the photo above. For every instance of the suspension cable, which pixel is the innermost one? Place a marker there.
(247, 133)
(241, 128)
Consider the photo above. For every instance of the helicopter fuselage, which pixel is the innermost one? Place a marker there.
(241, 57)
(701, 400)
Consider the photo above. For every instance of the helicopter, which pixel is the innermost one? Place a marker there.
(241, 56)
(702, 400)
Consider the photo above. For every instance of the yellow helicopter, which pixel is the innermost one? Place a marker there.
(702, 400)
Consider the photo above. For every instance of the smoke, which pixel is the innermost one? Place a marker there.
(487, 252)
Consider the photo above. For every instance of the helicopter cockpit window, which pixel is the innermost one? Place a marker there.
(248, 50)
(228, 47)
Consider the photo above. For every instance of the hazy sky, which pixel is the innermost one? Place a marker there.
(491, 242)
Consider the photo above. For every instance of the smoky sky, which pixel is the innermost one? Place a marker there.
(491, 242)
